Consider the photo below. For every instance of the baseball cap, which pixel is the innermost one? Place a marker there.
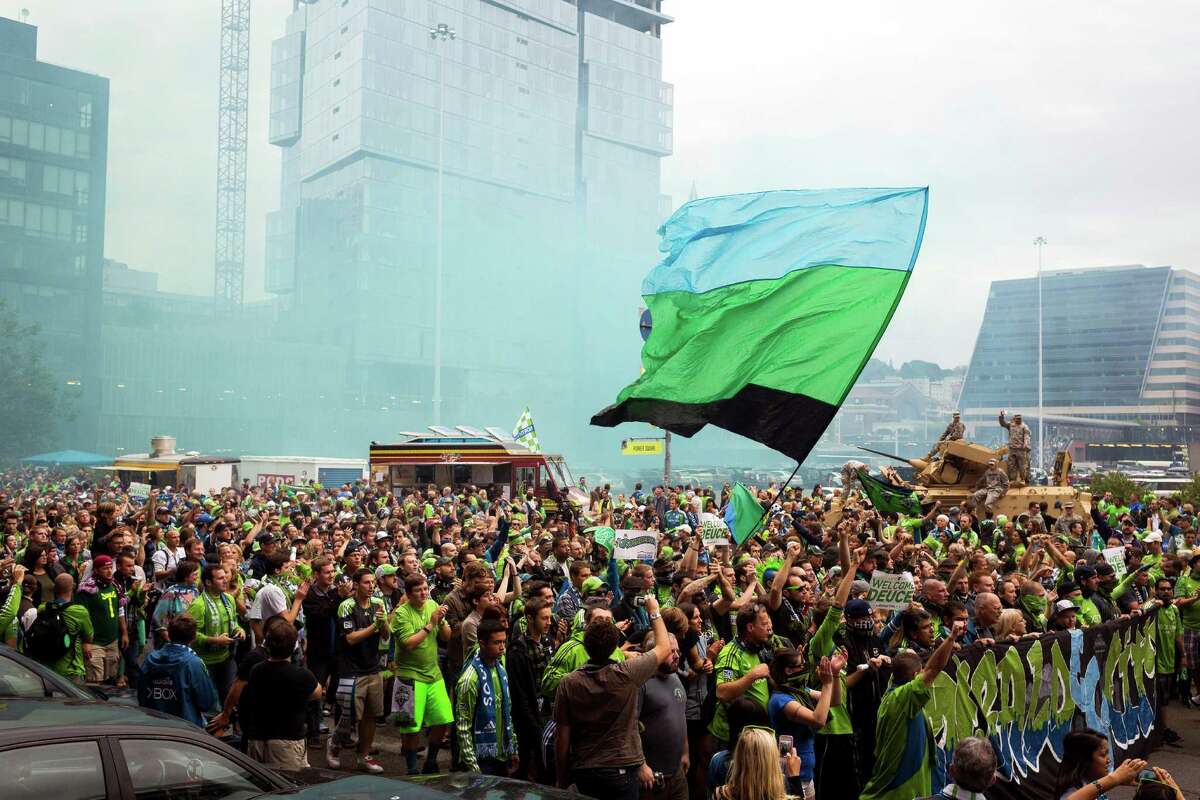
(592, 585)
(382, 535)
(384, 570)
(1153, 536)
(264, 537)
(1084, 572)
(859, 586)
(1064, 605)
(102, 560)
(857, 609)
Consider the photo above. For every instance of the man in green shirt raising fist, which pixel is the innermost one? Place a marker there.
(217, 628)
(423, 701)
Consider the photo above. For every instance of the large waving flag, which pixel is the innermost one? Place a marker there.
(765, 308)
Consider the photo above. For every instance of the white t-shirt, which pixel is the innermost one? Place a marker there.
(167, 559)
(269, 601)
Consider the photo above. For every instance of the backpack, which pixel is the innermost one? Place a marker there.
(48, 638)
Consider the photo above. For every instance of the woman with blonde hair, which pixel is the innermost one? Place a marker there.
(755, 773)
(1010, 626)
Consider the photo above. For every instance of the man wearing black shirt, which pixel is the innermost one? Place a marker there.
(363, 633)
(320, 615)
(273, 703)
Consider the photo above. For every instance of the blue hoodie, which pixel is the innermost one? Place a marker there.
(175, 681)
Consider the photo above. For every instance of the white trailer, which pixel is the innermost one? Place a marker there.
(301, 470)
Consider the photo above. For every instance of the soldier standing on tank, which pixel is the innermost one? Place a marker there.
(992, 485)
(953, 433)
(1063, 524)
(1019, 438)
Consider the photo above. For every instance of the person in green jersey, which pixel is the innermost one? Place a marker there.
(904, 744)
(79, 628)
(217, 628)
(421, 696)
(104, 600)
(483, 716)
(1187, 595)
(1168, 643)
(571, 655)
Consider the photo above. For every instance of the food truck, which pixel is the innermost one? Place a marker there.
(462, 456)
(162, 466)
(301, 470)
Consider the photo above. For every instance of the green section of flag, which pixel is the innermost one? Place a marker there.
(526, 433)
(747, 517)
(807, 333)
(887, 498)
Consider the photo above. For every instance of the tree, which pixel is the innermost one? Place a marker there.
(1190, 492)
(921, 369)
(33, 404)
(1118, 483)
(876, 370)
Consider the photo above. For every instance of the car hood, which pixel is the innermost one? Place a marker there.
(326, 785)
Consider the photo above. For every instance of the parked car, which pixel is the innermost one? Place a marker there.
(21, 676)
(76, 749)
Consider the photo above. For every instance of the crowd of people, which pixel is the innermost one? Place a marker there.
(501, 636)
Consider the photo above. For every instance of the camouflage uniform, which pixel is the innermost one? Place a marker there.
(1019, 438)
(953, 433)
(1063, 524)
(991, 487)
(850, 474)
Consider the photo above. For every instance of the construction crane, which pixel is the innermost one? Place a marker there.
(232, 108)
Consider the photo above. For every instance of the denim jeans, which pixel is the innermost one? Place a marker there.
(608, 783)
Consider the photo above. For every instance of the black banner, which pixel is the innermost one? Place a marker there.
(1026, 696)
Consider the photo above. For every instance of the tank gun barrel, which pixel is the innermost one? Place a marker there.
(916, 463)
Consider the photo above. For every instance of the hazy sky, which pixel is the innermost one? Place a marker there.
(1074, 120)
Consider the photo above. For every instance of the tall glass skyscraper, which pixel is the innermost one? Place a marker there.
(553, 118)
(53, 154)
(1120, 353)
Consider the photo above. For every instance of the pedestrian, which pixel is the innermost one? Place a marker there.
(662, 721)
(483, 707)
(597, 744)
(217, 628)
(273, 705)
(1083, 773)
(363, 631)
(76, 626)
(904, 744)
(104, 601)
(972, 770)
(422, 702)
(174, 680)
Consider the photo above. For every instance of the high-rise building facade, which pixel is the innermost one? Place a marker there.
(1120, 356)
(549, 119)
(53, 156)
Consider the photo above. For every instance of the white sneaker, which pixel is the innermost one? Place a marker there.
(331, 755)
(1196, 699)
(370, 764)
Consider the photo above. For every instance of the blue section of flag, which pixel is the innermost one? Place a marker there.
(720, 241)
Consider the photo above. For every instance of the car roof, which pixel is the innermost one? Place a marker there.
(23, 713)
(457, 785)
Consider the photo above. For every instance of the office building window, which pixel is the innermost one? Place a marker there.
(85, 110)
(13, 169)
(81, 233)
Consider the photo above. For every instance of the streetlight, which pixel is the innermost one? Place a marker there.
(441, 32)
(1039, 243)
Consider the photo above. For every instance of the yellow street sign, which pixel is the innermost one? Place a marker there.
(642, 447)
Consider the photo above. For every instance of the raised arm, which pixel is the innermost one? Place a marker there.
(941, 657)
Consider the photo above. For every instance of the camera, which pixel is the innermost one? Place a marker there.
(785, 745)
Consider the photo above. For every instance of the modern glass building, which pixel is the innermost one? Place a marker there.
(1120, 353)
(552, 118)
(53, 155)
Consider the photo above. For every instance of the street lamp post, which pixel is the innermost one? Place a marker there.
(1039, 243)
(439, 33)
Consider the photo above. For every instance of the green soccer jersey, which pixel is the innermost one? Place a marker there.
(79, 628)
(215, 616)
(903, 745)
(104, 608)
(419, 663)
(1186, 587)
(1168, 630)
(733, 662)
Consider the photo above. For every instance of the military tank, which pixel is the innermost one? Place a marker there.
(951, 476)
